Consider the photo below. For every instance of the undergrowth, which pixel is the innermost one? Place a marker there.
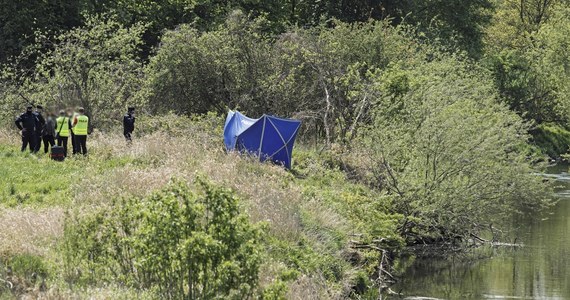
(312, 213)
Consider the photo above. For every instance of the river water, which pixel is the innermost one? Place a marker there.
(539, 270)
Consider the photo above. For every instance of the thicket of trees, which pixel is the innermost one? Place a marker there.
(311, 59)
(21, 19)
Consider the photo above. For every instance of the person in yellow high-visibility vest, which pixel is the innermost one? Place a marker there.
(62, 131)
(80, 130)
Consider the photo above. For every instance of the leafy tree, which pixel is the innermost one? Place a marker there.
(95, 66)
(533, 78)
(200, 72)
(185, 244)
(325, 75)
(321, 75)
(447, 152)
(549, 58)
(459, 22)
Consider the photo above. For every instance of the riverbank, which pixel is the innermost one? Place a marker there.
(538, 270)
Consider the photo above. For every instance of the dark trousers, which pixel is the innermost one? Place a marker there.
(73, 144)
(62, 142)
(81, 144)
(38, 142)
(128, 136)
(49, 141)
(28, 139)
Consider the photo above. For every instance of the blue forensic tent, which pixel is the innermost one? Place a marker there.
(270, 138)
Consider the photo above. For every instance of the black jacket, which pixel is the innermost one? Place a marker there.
(42, 122)
(28, 121)
(128, 123)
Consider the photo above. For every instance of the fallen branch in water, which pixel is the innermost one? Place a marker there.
(385, 278)
(495, 244)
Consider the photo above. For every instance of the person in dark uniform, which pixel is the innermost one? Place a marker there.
(129, 124)
(48, 134)
(39, 129)
(27, 123)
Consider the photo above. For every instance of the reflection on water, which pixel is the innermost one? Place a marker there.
(540, 270)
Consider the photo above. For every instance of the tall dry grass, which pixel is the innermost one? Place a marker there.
(151, 161)
(30, 231)
(267, 191)
(9, 137)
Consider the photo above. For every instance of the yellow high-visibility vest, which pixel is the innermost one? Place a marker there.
(62, 126)
(82, 125)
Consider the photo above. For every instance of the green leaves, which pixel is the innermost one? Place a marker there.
(187, 245)
(449, 152)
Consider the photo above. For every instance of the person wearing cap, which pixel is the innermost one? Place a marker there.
(62, 131)
(48, 134)
(80, 130)
(129, 124)
(27, 124)
(39, 129)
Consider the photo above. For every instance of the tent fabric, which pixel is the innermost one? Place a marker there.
(269, 137)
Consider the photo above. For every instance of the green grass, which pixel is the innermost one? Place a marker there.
(34, 180)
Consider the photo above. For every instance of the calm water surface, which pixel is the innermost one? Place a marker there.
(540, 270)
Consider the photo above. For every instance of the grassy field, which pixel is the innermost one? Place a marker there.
(309, 211)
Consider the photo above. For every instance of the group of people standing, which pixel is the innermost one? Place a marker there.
(70, 124)
(36, 129)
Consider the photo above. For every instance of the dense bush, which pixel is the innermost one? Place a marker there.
(320, 75)
(209, 71)
(552, 139)
(184, 244)
(448, 152)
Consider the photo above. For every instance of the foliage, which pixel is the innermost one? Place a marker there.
(95, 67)
(200, 72)
(464, 19)
(514, 20)
(317, 75)
(186, 245)
(20, 272)
(552, 139)
(448, 153)
(531, 73)
(549, 56)
(20, 20)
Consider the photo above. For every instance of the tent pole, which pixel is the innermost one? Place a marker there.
(262, 137)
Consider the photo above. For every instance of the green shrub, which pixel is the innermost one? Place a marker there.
(552, 139)
(21, 272)
(448, 154)
(191, 245)
(27, 266)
